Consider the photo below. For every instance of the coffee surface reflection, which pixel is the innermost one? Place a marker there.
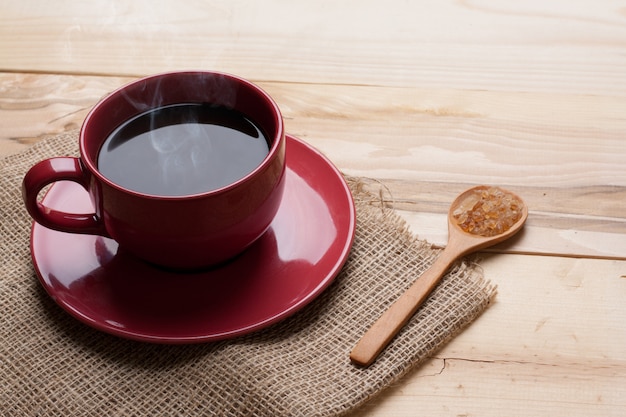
(182, 149)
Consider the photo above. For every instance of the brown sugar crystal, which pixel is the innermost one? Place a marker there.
(488, 211)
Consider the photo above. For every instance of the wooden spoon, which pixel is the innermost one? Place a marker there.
(460, 243)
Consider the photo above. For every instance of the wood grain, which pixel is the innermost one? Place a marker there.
(428, 99)
(552, 344)
(425, 148)
(546, 47)
(33, 106)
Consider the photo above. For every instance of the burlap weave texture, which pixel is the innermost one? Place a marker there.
(53, 365)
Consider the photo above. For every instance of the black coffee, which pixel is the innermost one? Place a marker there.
(182, 149)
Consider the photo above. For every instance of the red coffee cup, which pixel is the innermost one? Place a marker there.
(183, 232)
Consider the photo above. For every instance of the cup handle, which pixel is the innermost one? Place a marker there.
(50, 171)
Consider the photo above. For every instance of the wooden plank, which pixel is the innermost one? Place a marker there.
(457, 387)
(470, 45)
(552, 344)
(571, 242)
(421, 145)
(407, 134)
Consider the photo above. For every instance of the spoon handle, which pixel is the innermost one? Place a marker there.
(396, 316)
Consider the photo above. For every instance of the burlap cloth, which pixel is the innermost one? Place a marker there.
(53, 365)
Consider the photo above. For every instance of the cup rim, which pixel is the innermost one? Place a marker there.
(276, 144)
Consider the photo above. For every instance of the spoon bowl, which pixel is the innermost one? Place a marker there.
(488, 224)
(465, 242)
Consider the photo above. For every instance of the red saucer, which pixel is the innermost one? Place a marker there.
(297, 258)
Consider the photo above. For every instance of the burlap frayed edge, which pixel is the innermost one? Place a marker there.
(375, 193)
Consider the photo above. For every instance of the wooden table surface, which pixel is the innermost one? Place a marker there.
(429, 97)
